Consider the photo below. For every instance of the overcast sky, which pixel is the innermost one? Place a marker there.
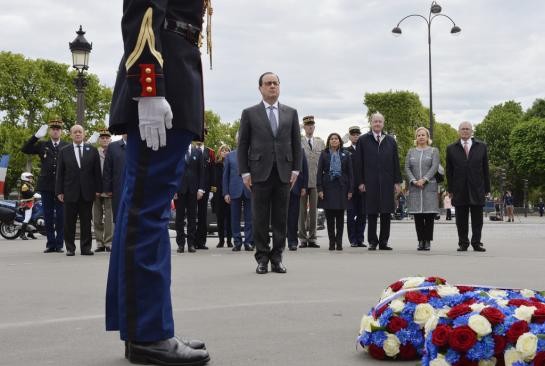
(328, 53)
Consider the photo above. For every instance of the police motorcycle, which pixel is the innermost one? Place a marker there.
(12, 216)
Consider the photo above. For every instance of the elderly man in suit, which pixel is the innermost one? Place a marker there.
(269, 159)
(79, 182)
(102, 208)
(468, 184)
(112, 174)
(238, 197)
(313, 146)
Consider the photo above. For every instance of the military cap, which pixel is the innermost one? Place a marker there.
(55, 123)
(354, 129)
(104, 132)
(308, 120)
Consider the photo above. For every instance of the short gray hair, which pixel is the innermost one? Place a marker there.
(376, 114)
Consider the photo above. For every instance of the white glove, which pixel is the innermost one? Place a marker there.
(154, 114)
(94, 138)
(41, 132)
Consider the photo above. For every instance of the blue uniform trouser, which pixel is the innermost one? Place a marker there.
(138, 302)
(54, 220)
(355, 219)
(237, 205)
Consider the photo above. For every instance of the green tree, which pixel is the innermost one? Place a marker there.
(220, 133)
(527, 150)
(444, 135)
(536, 110)
(12, 139)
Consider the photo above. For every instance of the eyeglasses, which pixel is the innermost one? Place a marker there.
(269, 83)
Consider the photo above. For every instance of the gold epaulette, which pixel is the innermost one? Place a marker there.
(208, 11)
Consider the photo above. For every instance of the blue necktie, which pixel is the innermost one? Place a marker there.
(272, 120)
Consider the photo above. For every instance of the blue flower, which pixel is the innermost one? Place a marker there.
(385, 317)
(461, 320)
(452, 356)
(482, 350)
(378, 338)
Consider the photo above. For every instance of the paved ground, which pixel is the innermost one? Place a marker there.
(52, 305)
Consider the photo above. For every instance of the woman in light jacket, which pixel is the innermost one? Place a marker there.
(421, 165)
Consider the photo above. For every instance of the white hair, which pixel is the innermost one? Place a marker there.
(376, 114)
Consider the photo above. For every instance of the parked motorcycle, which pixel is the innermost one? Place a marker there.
(12, 216)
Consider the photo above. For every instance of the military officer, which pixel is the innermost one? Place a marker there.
(160, 119)
(53, 209)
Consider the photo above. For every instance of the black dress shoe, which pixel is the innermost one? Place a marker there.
(220, 245)
(313, 245)
(168, 352)
(193, 343)
(462, 247)
(427, 245)
(361, 245)
(384, 247)
(70, 254)
(293, 248)
(236, 248)
(248, 248)
(204, 247)
(191, 249)
(372, 247)
(108, 249)
(278, 267)
(59, 250)
(101, 249)
(420, 245)
(262, 268)
(49, 250)
(229, 244)
(180, 250)
(353, 245)
(478, 247)
(88, 252)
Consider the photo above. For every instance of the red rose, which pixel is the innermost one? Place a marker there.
(462, 338)
(493, 315)
(519, 302)
(539, 360)
(433, 293)
(408, 352)
(436, 280)
(376, 352)
(464, 289)
(470, 302)
(381, 310)
(459, 310)
(440, 335)
(396, 286)
(499, 345)
(396, 324)
(517, 329)
(539, 316)
(416, 297)
(538, 304)
(465, 362)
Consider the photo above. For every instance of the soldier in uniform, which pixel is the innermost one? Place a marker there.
(26, 202)
(158, 103)
(53, 208)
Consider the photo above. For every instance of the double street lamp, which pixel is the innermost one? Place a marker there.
(80, 49)
(435, 11)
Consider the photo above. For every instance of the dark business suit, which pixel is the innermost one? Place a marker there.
(294, 204)
(112, 175)
(221, 208)
(469, 183)
(270, 159)
(355, 216)
(53, 208)
(79, 185)
(202, 204)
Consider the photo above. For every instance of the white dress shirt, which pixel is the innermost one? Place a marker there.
(469, 143)
(275, 110)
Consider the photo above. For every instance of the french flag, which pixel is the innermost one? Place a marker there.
(4, 161)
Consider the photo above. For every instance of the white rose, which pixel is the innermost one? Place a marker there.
(489, 362)
(527, 293)
(412, 282)
(527, 346)
(391, 345)
(502, 303)
(524, 312)
(497, 294)
(397, 305)
(447, 291)
(422, 313)
(480, 325)
(477, 307)
(431, 324)
(442, 313)
(386, 293)
(439, 361)
(511, 356)
(366, 322)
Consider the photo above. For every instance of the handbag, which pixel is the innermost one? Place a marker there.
(440, 174)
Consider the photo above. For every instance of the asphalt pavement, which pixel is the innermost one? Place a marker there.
(52, 306)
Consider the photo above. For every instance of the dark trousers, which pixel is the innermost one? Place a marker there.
(355, 219)
(54, 220)
(186, 209)
(449, 214)
(335, 226)
(223, 218)
(382, 240)
(237, 205)
(73, 210)
(270, 204)
(202, 226)
(424, 226)
(293, 219)
(462, 224)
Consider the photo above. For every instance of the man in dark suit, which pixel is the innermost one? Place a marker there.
(378, 175)
(355, 218)
(298, 190)
(112, 175)
(53, 208)
(208, 158)
(191, 191)
(79, 182)
(269, 160)
(238, 197)
(468, 184)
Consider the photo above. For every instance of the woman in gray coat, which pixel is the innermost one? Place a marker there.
(421, 165)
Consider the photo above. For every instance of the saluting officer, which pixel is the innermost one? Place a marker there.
(158, 102)
(48, 152)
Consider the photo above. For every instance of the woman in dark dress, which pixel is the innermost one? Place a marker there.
(221, 208)
(334, 185)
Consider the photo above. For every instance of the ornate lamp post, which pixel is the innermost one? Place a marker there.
(80, 49)
(435, 11)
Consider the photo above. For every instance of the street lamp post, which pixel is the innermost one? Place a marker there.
(435, 11)
(80, 49)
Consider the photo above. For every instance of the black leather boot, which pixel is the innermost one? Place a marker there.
(420, 245)
(427, 245)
